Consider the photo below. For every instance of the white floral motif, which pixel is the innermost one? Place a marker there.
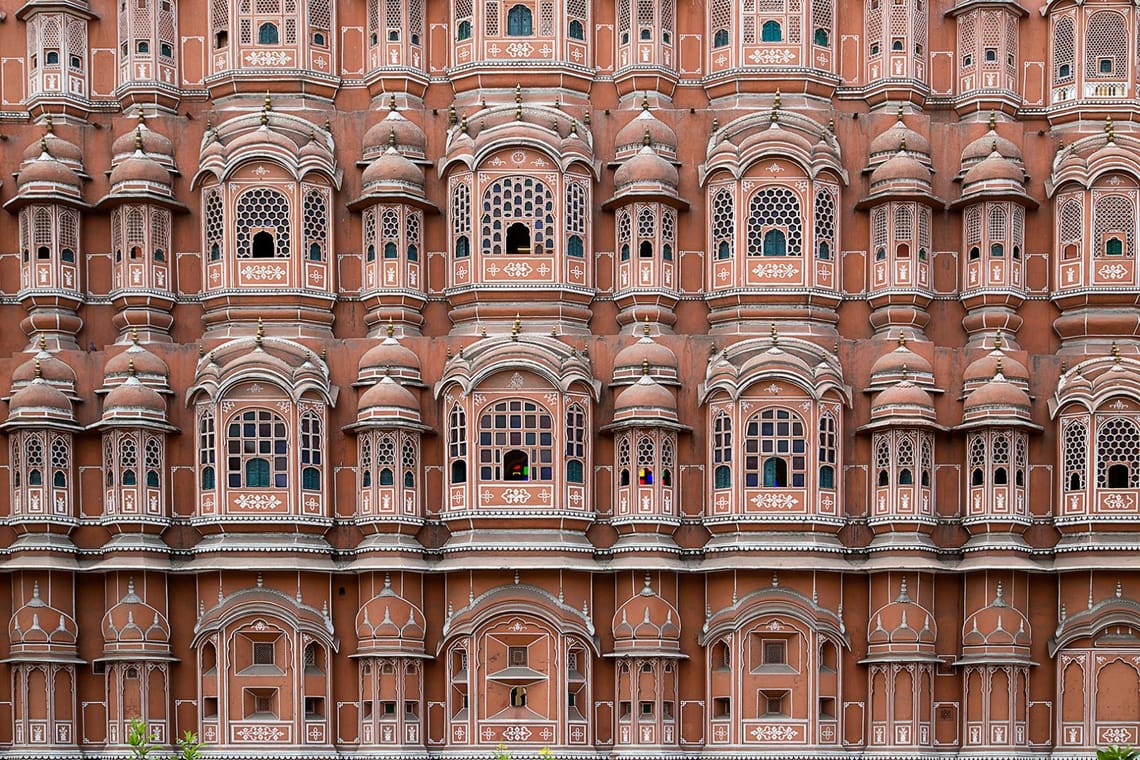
(264, 271)
(775, 270)
(516, 496)
(267, 58)
(520, 49)
(259, 734)
(775, 733)
(518, 269)
(1113, 271)
(259, 502)
(516, 734)
(774, 501)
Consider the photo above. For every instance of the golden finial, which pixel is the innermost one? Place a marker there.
(43, 342)
(463, 124)
(138, 139)
(268, 102)
(557, 102)
(715, 125)
(260, 332)
(43, 146)
(49, 127)
(554, 331)
(391, 328)
(1109, 130)
(142, 118)
(392, 139)
(902, 339)
(264, 118)
(775, 115)
(201, 351)
(324, 352)
(831, 126)
(135, 335)
(131, 367)
(993, 121)
(998, 340)
(516, 328)
(449, 352)
(518, 93)
(646, 140)
(483, 332)
(902, 145)
(392, 103)
(993, 146)
(39, 374)
(518, 112)
(645, 102)
(451, 117)
(1115, 352)
(574, 127)
(586, 118)
(712, 348)
(899, 114)
(644, 366)
(461, 352)
(997, 367)
(775, 335)
(905, 373)
(645, 329)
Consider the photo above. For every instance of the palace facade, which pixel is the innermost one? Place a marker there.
(637, 379)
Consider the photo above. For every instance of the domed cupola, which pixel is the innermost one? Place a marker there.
(154, 144)
(994, 178)
(647, 624)
(631, 137)
(978, 149)
(39, 629)
(389, 625)
(139, 362)
(904, 403)
(996, 633)
(410, 138)
(61, 149)
(390, 358)
(131, 403)
(133, 628)
(40, 404)
(982, 370)
(886, 145)
(392, 178)
(51, 369)
(646, 175)
(140, 176)
(902, 627)
(900, 176)
(46, 179)
(389, 404)
(998, 402)
(646, 402)
(893, 366)
(630, 362)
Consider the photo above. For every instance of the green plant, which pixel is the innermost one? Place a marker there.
(139, 739)
(1114, 752)
(189, 748)
(502, 753)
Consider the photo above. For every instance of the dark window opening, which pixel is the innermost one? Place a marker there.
(722, 477)
(221, 39)
(68, 256)
(821, 37)
(1001, 477)
(257, 473)
(43, 252)
(723, 251)
(775, 243)
(1118, 476)
(775, 473)
(520, 22)
(575, 248)
(978, 477)
(464, 31)
(906, 477)
(884, 479)
(311, 479)
(267, 34)
(720, 38)
(459, 471)
(142, 46)
(645, 251)
(516, 465)
(462, 248)
(390, 250)
(771, 32)
(827, 476)
(518, 238)
(576, 30)
(387, 476)
(263, 245)
(575, 472)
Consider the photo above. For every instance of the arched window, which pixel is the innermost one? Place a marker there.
(720, 38)
(35, 459)
(1074, 453)
(1118, 453)
(625, 252)
(821, 38)
(775, 210)
(457, 444)
(462, 247)
(771, 32)
(520, 22)
(828, 443)
(207, 454)
(463, 31)
(312, 445)
(575, 444)
(667, 461)
(1106, 45)
(574, 247)
(263, 227)
(723, 223)
(128, 461)
(409, 461)
(623, 462)
(645, 251)
(390, 250)
(314, 224)
(997, 250)
(267, 34)
(722, 451)
(646, 459)
(516, 442)
(257, 443)
(153, 462)
(577, 32)
(775, 450)
(60, 462)
(518, 238)
(517, 217)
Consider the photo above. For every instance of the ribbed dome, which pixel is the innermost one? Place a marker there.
(997, 626)
(153, 143)
(132, 399)
(47, 170)
(631, 361)
(50, 367)
(645, 398)
(137, 359)
(393, 168)
(407, 136)
(132, 625)
(646, 168)
(999, 398)
(978, 149)
(631, 137)
(899, 133)
(900, 169)
(388, 402)
(390, 357)
(893, 365)
(647, 622)
(901, 626)
(140, 168)
(38, 627)
(39, 400)
(62, 149)
(983, 369)
(993, 168)
(390, 623)
(903, 399)
(259, 139)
